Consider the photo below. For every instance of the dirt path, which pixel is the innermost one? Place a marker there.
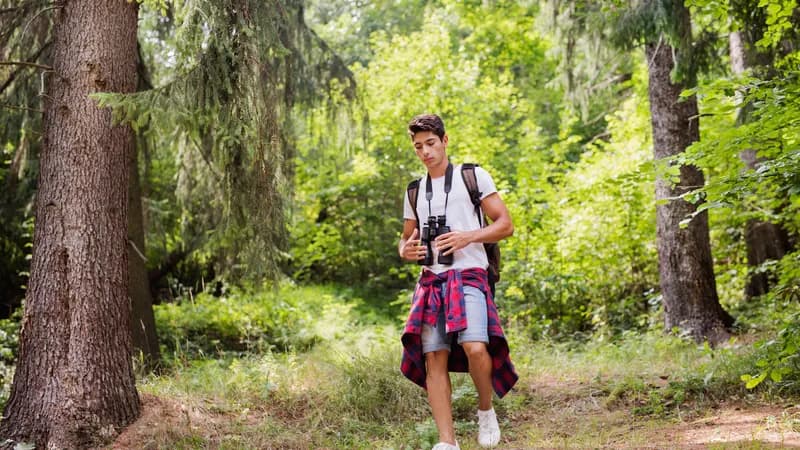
(769, 425)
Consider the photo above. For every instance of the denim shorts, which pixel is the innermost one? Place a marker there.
(435, 338)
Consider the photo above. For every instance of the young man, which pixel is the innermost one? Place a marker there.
(453, 325)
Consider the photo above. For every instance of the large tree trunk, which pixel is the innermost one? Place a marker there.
(74, 385)
(688, 287)
(143, 323)
(764, 240)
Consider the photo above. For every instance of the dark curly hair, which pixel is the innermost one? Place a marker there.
(426, 122)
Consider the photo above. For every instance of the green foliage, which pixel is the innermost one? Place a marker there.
(778, 365)
(780, 358)
(349, 200)
(770, 134)
(778, 20)
(227, 75)
(348, 26)
(585, 259)
(592, 71)
(767, 189)
(669, 22)
(239, 321)
(25, 40)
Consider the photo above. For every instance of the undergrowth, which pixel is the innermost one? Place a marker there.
(346, 391)
(306, 367)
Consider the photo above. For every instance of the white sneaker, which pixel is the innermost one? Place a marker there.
(488, 429)
(445, 446)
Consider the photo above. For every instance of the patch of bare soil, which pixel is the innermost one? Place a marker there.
(570, 414)
(162, 417)
(769, 425)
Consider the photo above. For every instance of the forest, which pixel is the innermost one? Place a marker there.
(202, 201)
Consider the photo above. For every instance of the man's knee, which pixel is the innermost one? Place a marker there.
(437, 361)
(474, 349)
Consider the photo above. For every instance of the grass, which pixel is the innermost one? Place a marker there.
(346, 392)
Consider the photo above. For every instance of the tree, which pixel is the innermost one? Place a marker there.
(686, 271)
(674, 58)
(764, 239)
(143, 323)
(74, 385)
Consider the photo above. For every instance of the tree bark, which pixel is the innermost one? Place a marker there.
(686, 269)
(764, 240)
(74, 384)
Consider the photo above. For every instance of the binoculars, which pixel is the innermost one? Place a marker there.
(434, 228)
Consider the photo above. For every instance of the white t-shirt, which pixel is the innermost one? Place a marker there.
(460, 215)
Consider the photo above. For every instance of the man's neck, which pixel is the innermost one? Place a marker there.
(439, 170)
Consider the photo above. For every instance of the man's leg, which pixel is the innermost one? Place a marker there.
(439, 391)
(480, 369)
(474, 341)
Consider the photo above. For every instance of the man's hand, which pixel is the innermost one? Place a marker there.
(412, 249)
(454, 240)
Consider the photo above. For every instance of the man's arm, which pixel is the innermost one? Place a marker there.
(409, 247)
(500, 228)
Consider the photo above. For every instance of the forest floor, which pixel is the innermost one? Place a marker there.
(570, 417)
(637, 391)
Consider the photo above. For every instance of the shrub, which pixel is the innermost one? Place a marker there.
(239, 321)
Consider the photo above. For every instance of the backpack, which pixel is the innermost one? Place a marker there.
(471, 182)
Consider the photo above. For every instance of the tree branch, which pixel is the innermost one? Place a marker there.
(17, 71)
(26, 64)
(21, 108)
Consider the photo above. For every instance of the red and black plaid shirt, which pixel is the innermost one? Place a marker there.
(425, 308)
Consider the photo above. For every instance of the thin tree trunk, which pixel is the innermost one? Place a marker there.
(74, 385)
(737, 52)
(686, 270)
(143, 323)
(764, 240)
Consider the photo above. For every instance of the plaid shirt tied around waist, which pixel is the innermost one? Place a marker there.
(427, 302)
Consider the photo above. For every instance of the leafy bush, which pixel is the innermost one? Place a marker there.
(584, 260)
(779, 358)
(239, 321)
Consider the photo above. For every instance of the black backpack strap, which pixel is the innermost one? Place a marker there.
(413, 192)
(492, 249)
(471, 182)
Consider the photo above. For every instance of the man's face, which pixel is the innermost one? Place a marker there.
(430, 149)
